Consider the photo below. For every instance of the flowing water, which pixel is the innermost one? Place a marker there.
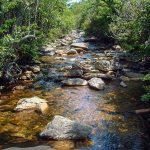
(107, 111)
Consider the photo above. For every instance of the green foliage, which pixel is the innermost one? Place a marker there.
(126, 22)
(147, 77)
(146, 97)
(40, 18)
(130, 25)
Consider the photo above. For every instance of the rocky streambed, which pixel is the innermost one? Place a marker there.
(95, 85)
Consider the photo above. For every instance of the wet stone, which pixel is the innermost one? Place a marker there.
(80, 45)
(72, 52)
(32, 103)
(61, 128)
(75, 82)
(123, 84)
(96, 83)
(35, 69)
(124, 78)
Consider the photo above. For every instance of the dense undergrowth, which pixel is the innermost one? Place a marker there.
(26, 24)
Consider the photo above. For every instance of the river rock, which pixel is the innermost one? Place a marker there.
(29, 74)
(19, 87)
(32, 103)
(107, 65)
(2, 87)
(124, 78)
(75, 71)
(72, 52)
(61, 128)
(80, 50)
(50, 53)
(48, 48)
(64, 43)
(123, 84)
(88, 76)
(96, 83)
(23, 77)
(80, 45)
(75, 81)
(116, 47)
(60, 52)
(35, 69)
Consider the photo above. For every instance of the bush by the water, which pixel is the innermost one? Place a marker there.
(25, 25)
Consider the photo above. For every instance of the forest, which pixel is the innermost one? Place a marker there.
(40, 40)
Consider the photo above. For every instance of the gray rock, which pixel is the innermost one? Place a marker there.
(117, 47)
(123, 84)
(51, 53)
(80, 45)
(96, 83)
(2, 87)
(30, 148)
(61, 128)
(107, 65)
(124, 78)
(88, 76)
(75, 81)
(48, 48)
(74, 71)
(35, 69)
(32, 103)
(72, 52)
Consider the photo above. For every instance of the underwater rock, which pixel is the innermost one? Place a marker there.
(74, 81)
(32, 103)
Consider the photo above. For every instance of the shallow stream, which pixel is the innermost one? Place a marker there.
(107, 111)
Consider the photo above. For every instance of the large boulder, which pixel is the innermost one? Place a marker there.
(96, 83)
(80, 45)
(34, 103)
(90, 75)
(61, 128)
(75, 81)
(108, 65)
(74, 71)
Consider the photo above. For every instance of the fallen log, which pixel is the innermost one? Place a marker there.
(142, 111)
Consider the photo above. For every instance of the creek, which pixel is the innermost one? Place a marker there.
(107, 111)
